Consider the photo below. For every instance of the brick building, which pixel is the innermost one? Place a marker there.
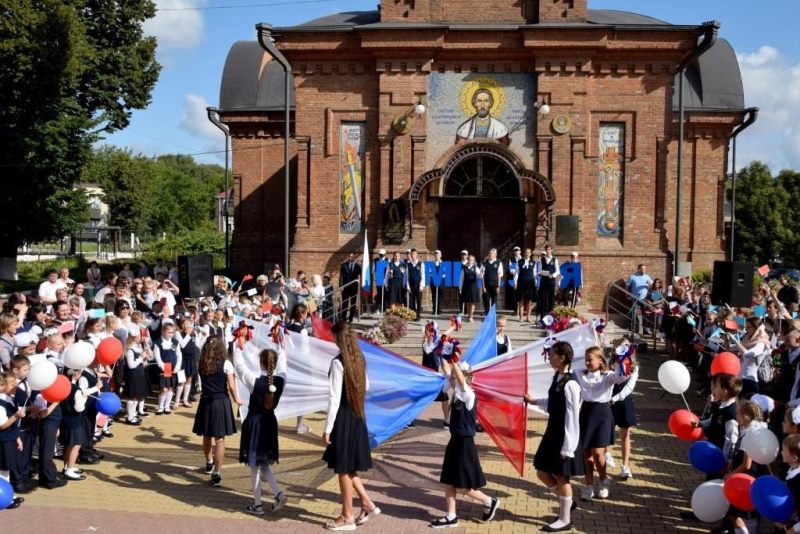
(484, 165)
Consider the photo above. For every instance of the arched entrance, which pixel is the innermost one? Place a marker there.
(482, 198)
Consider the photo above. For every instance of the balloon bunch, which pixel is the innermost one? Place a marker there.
(712, 499)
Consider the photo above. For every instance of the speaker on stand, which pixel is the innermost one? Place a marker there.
(196, 276)
(732, 284)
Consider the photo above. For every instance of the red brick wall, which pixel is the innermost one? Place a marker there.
(487, 11)
(592, 76)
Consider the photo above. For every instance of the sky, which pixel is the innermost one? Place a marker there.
(193, 45)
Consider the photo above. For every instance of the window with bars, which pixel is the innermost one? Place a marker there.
(482, 176)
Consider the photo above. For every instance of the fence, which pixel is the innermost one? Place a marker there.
(627, 310)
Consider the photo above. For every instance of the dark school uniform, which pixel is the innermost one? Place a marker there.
(491, 279)
(9, 454)
(136, 384)
(396, 276)
(470, 291)
(72, 429)
(214, 417)
(526, 284)
(48, 431)
(547, 285)
(718, 418)
(437, 288)
(259, 443)
(349, 449)
(169, 355)
(624, 410)
(432, 361)
(416, 275)
(24, 398)
(190, 354)
(89, 413)
(793, 483)
(502, 347)
(461, 467)
(562, 430)
(755, 471)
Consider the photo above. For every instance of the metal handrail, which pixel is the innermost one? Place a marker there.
(628, 308)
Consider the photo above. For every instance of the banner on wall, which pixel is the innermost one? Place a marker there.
(351, 182)
(611, 175)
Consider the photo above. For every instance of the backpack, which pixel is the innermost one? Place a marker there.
(765, 372)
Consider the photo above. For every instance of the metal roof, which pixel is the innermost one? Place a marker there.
(250, 82)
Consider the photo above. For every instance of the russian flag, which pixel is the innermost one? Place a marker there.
(366, 272)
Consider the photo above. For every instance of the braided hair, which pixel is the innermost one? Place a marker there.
(269, 359)
(564, 349)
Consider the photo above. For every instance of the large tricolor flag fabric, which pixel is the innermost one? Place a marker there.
(501, 409)
(484, 345)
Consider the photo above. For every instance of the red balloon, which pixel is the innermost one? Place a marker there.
(681, 425)
(737, 491)
(109, 351)
(59, 391)
(726, 363)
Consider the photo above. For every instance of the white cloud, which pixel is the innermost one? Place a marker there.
(194, 120)
(183, 28)
(772, 84)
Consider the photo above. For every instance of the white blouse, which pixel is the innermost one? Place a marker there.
(598, 386)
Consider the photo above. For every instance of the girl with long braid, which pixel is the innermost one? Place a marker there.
(345, 434)
(259, 444)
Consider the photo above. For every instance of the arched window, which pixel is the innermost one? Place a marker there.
(482, 175)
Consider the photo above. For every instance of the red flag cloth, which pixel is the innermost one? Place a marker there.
(730, 324)
(501, 410)
(247, 278)
(321, 327)
(764, 269)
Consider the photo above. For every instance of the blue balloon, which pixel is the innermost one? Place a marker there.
(772, 498)
(706, 457)
(6, 494)
(108, 403)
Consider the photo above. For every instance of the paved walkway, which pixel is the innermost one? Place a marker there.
(151, 481)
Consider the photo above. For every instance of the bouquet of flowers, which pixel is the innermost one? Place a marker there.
(561, 318)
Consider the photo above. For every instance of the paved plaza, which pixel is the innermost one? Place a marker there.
(151, 481)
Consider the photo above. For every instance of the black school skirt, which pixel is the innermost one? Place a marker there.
(597, 425)
(214, 417)
(461, 467)
(349, 449)
(624, 412)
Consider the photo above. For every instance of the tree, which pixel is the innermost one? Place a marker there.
(763, 216)
(70, 72)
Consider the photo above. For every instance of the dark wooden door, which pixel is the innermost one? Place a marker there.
(478, 225)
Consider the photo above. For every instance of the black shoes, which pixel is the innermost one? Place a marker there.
(209, 467)
(57, 483)
(16, 503)
(216, 480)
(489, 511)
(443, 522)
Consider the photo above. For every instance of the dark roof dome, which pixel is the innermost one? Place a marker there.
(713, 82)
(251, 81)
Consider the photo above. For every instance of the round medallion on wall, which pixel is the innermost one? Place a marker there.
(562, 124)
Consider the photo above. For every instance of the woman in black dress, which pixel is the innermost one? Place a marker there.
(526, 285)
(258, 448)
(214, 417)
(556, 459)
(396, 281)
(345, 434)
(468, 286)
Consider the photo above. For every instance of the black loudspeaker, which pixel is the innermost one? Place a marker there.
(567, 230)
(732, 284)
(196, 276)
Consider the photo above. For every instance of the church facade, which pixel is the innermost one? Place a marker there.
(453, 125)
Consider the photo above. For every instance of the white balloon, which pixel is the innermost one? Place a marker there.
(42, 375)
(33, 359)
(761, 446)
(79, 355)
(674, 377)
(708, 501)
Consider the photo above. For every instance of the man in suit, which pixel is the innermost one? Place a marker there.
(350, 270)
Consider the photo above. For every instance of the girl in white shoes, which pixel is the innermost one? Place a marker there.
(597, 420)
(623, 407)
(461, 469)
(557, 458)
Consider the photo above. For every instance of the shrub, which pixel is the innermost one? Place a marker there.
(701, 276)
(188, 242)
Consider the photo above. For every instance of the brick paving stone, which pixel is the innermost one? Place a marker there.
(151, 479)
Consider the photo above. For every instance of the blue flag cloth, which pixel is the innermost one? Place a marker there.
(484, 344)
(399, 390)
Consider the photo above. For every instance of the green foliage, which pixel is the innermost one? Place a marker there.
(701, 276)
(766, 221)
(150, 197)
(70, 71)
(196, 241)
